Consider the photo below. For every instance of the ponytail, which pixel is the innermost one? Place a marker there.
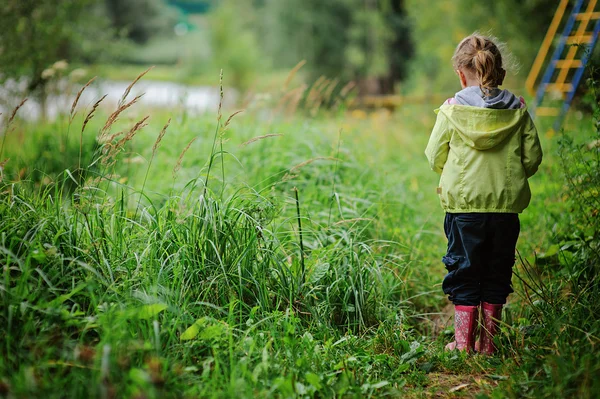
(481, 56)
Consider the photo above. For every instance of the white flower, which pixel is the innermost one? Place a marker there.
(60, 65)
(48, 73)
(77, 74)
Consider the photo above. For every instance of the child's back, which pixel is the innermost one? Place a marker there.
(477, 146)
(485, 146)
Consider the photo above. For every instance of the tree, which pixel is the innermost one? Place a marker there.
(139, 20)
(34, 34)
(439, 28)
(364, 40)
(522, 24)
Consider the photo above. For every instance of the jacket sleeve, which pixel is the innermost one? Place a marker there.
(531, 150)
(438, 146)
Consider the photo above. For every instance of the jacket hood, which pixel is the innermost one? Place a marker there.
(496, 98)
(483, 128)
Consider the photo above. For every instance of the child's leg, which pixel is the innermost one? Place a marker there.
(503, 232)
(466, 234)
(466, 238)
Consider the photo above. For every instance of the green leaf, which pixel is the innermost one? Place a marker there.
(552, 250)
(193, 330)
(213, 331)
(139, 376)
(62, 298)
(147, 312)
(379, 384)
(318, 272)
(313, 380)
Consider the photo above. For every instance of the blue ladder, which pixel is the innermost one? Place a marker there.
(578, 46)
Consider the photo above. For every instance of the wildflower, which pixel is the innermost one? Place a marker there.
(77, 74)
(48, 73)
(60, 65)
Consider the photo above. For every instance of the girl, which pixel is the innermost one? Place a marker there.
(485, 146)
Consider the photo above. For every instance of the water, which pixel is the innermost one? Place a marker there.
(163, 95)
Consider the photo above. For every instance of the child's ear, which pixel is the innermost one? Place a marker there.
(462, 77)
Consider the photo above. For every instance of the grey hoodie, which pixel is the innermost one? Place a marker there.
(498, 99)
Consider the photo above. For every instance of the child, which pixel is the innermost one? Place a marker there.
(485, 146)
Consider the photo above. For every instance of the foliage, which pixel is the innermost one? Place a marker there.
(197, 280)
(521, 24)
(562, 287)
(233, 42)
(35, 34)
(344, 39)
(139, 20)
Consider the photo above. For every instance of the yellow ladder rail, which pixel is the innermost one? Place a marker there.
(541, 56)
(579, 35)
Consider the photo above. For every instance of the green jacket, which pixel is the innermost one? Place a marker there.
(485, 157)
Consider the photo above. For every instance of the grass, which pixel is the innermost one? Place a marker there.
(275, 256)
(177, 73)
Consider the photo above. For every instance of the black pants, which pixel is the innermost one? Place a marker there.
(481, 254)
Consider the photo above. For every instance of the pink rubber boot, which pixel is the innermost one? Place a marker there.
(465, 321)
(491, 316)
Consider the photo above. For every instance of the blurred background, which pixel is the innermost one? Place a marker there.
(382, 46)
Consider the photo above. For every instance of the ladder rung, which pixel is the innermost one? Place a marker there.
(568, 64)
(547, 111)
(579, 39)
(587, 15)
(564, 87)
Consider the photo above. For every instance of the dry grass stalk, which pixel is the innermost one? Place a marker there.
(314, 88)
(115, 115)
(318, 96)
(344, 93)
(90, 114)
(133, 131)
(110, 139)
(293, 171)
(295, 101)
(14, 113)
(2, 164)
(287, 96)
(353, 220)
(346, 89)
(160, 137)
(128, 89)
(292, 73)
(309, 161)
(77, 97)
(112, 150)
(329, 91)
(230, 118)
(219, 115)
(178, 164)
(288, 176)
(252, 140)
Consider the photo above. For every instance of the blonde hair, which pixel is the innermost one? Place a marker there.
(482, 56)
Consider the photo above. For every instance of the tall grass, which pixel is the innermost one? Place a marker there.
(255, 255)
(112, 287)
